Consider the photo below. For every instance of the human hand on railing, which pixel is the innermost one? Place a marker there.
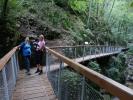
(18, 47)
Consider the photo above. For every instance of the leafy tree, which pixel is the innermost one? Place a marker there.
(71, 84)
(116, 68)
(78, 5)
(94, 66)
(7, 26)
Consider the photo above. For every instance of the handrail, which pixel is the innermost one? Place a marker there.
(6, 58)
(113, 87)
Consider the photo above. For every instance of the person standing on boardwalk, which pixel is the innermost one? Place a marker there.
(25, 47)
(39, 54)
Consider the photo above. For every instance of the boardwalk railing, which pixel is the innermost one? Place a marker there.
(9, 68)
(8, 74)
(86, 52)
(74, 52)
(75, 81)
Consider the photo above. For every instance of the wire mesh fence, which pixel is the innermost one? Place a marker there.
(8, 76)
(1, 87)
(74, 52)
(67, 83)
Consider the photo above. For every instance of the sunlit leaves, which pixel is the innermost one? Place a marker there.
(78, 5)
(131, 4)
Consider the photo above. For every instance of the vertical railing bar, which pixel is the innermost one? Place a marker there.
(17, 63)
(59, 79)
(90, 50)
(113, 49)
(83, 52)
(110, 49)
(107, 49)
(47, 61)
(15, 66)
(75, 54)
(13, 69)
(102, 49)
(6, 93)
(83, 88)
(95, 51)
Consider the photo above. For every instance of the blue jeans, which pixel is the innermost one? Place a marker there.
(27, 63)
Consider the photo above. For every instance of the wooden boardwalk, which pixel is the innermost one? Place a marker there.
(33, 87)
(89, 57)
(38, 87)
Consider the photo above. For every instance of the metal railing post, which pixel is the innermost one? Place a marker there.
(106, 48)
(90, 51)
(17, 62)
(13, 69)
(83, 53)
(15, 65)
(75, 50)
(103, 49)
(47, 63)
(6, 93)
(83, 88)
(59, 80)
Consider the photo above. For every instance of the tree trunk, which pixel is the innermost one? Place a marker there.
(111, 9)
(88, 21)
(4, 10)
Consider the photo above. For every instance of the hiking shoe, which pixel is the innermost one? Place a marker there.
(37, 71)
(41, 72)
(28, 73)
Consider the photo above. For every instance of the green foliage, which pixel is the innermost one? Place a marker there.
(94, 66)
(8, 26)
(26, 4)
(78, 5)
(95, 21)
(88, 22)
(62, 3)
(131, 4)
(114, 74)
(72, 82)
(32, 10)
(116, 68)
(130, 51)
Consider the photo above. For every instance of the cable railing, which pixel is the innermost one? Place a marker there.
(78, 51)
(77, 82)
(78, 87)
(82, 53)
(9, 68)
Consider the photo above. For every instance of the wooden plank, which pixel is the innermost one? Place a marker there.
(108, 84)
